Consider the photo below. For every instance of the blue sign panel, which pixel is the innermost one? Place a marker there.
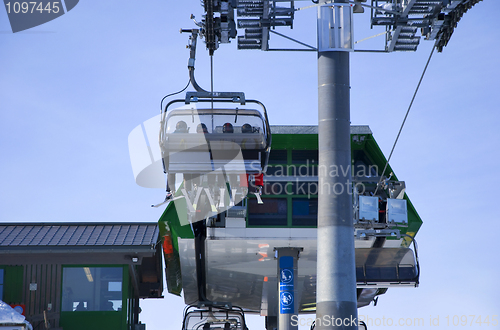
(286, 285)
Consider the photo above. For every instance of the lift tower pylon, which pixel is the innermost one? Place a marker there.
(336, 272)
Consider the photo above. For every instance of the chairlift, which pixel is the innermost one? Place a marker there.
(213, 139)
(198, 140)
(213, 319)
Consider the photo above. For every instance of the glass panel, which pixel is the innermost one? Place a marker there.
(345, 31)
(305, 188)
(304, 170)
(363, 170)
(114, 286)
(396, 210)
(360, 275)
(246, 124)
(368, 208)
(274, 188)
(273, 212)
(92, 289)
(187, 123)
(308, 157)
(247, 131)
(304, 212)
(277, 157)
(277, 170)
(381, 274)
(335, 28)
(1, 284)
(407, 273)
(326, 25)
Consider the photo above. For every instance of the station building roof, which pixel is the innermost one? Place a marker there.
(78, 242)
(313, 129)
(78, 234)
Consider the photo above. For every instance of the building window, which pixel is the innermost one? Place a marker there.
(275, 188)
(304, 188)
(305, 157)
(278, 157)
(273, 212)
(305, 212)
(1, 283)
(92, 289)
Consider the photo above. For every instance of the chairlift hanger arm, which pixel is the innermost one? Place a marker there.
(192, 57)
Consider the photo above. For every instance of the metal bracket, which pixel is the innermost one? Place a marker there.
(236, 97)
(378, 233)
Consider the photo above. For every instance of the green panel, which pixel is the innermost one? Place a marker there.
(93, 320)
(289, 211)
(414, 220)
(172, 261)
(173, 273)
(170, 223)
(296, 141)
(373, 151)
(13, 284)
(173, 218)
(127, 292)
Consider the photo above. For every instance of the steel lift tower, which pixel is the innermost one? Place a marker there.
(336, 276)
(336, 270)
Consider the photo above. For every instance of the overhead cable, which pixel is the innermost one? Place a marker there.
(406, 116)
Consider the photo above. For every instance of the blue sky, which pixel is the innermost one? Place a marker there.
(72, 90)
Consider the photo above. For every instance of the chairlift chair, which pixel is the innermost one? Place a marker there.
(198, 140)
(214, 318)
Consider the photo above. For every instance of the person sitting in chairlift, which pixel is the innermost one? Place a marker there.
(246, 128)
(227, 128)
(181, 127)
(202, 128)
